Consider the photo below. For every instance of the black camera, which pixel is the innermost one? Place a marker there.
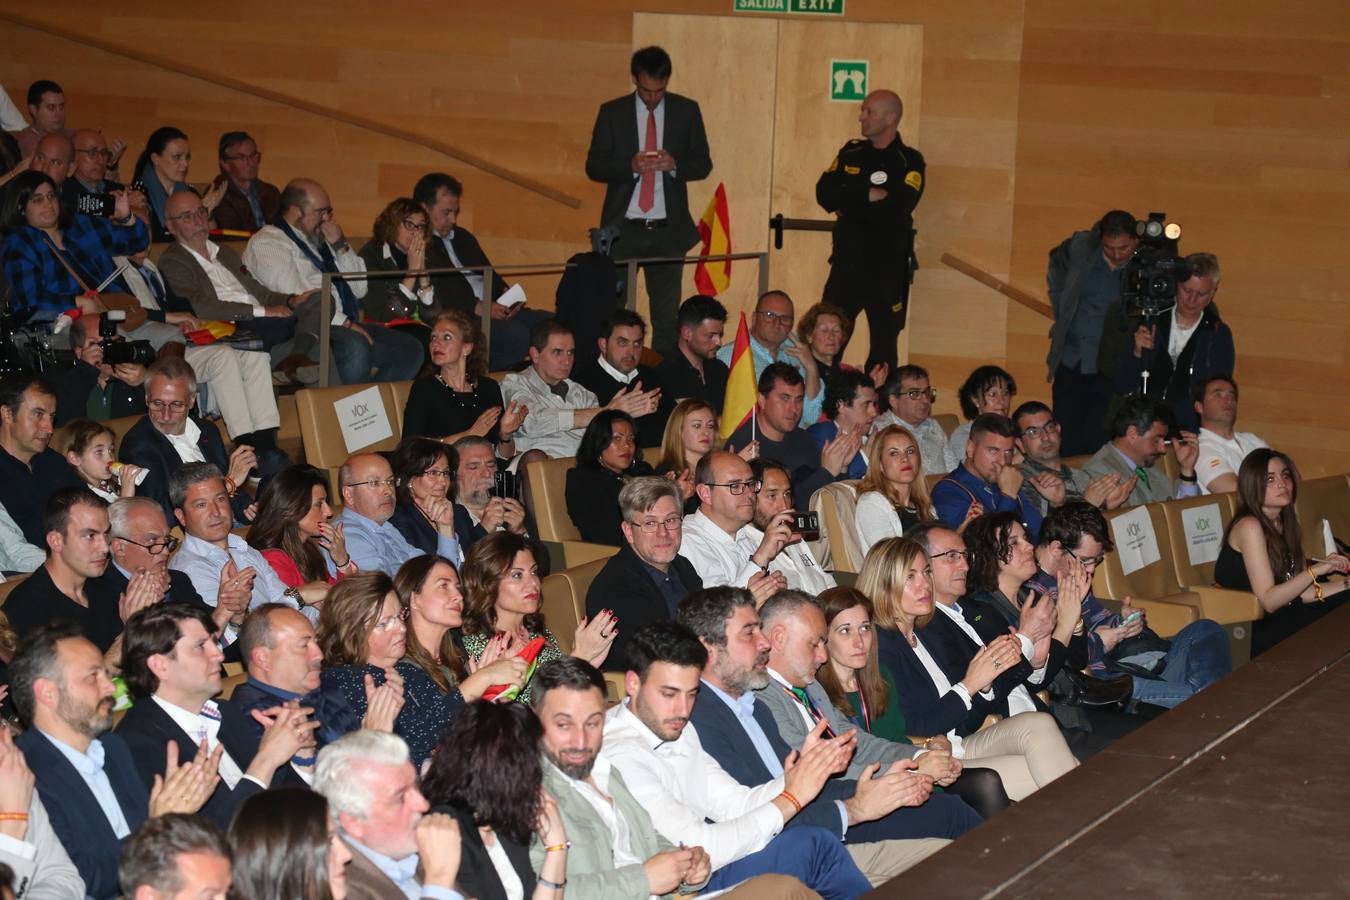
(505, 484)
(118, 350)
(807, 524)
(1150, 279)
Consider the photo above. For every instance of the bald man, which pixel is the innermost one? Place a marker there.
(367, 486)
(873, 186)
(54, 156)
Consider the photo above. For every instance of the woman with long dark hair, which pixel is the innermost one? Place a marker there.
(287, 845)
(1262, 552)
(294, 532)
(161, 170)
(607, 457)
(488, 774)
(424, 470)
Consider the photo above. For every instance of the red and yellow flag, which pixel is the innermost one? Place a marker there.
(741, 391)
(715, 230)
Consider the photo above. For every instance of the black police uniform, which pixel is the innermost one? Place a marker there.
(873, 241)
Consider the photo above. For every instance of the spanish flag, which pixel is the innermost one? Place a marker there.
(741, 391)
(715, 230)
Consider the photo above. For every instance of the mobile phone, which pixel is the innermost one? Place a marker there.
(1131, 618)
(97, 204)
(505, 484)
(807, 524)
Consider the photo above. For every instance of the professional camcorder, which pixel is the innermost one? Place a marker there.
(1151, 277)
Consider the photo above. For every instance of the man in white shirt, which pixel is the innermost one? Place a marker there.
(292, 256)
(171, 662)
(559, 408)
(795, 561)
(1222, 449)
(908, 398)
(692, 800)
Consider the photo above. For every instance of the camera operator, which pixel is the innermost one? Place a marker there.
(93, 388)
(1180, 349)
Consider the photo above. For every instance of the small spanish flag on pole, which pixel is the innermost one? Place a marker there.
(739, 404)
(715, 230)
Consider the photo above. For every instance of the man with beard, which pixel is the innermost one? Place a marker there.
(693, 369)
(569, 698)
(619, 366)
(795, 561)
(477, 512)
(86, 777)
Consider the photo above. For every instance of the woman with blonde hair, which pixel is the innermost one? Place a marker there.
(893, 495)
(691, 433)
(935, 696)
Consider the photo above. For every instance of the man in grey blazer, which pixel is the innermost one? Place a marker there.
(1138, 441)
(645, 147)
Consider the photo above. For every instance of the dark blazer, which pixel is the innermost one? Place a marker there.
(24, 489)
(926, 713)
(234, 212)
(477, 876)
(625, 588)
(453, 290)
(990, 614)
(592, 497)
(148, 448)
(953, 649)
(614, 142)
(467, 530)
(76, 817)
(414, 527)
(651, 427)
(74, 385)
(105, 590)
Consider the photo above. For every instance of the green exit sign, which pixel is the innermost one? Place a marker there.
(790, 7)
(848, 80)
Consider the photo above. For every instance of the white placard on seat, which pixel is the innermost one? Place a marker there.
(1203, 527)
(1135, 539)
(362, 418)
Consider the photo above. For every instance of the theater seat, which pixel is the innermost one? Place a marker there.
(1323, 498)
(948, 421)
(400, 391)
(8, 585)
(564, 600)
(289, 440)
(933, 479)
(229, 683)
(548, 484)
(576, 553)
(839, 548)
(120, 426)
(325, 445)
(1208, 518)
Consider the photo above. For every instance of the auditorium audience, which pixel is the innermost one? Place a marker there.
(646, 580)
(1263, 552)
(164, 319)
(1054, 481)
(286, 844)
(606, 459)
(93, 388)
(363, 633)
(619, 367)
(1222, 447)
(1138, 441)
(893, 495)
(162, 168)
(422, 504)
(291, 256)
(397, 850)
(1166, 672)
(488, 775)
(987, 481)
(46, 103)
(91, 452)
(294, 532)
(178, 856)
(945, 678)
(779, 405)
(368, 489)
(501, 583)
(988, 389)
(850, 406)
(248, 203)
(693, 371)
(908, 398)
(770, 342)
(710, 539)
(480, 508)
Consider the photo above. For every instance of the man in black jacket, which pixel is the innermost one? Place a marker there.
(92, 389)
(619, 367)
(648, 578)
(692, 369)
(645, 147)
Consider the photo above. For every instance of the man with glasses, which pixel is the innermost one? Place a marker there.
(648, 578)
(987, 481)
(908, 398)
(90, 176)
(771, 342)
(249, 203)
(1038, 437)
(715, 537)
(367, 485)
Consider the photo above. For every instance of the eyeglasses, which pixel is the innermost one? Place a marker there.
(1087, 561)
(670, 523)
(93, 152)
(738, 487)
(388, 622)
(255, 156)
(436, 473)
(323, 211)
(1051, 427)
(953, 556)
(390, 483)
(200, 212)
(919, 394)
(414, 225)
(998, 394)
(785, 318)
(160, 405)
(155, 548)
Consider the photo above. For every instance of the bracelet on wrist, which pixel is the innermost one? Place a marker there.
(556, 885)
(557, 848)
(1189, 479)
(344, 564)
(230, 487)
(787, 795)
(13, 817)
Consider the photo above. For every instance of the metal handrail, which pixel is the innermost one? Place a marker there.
(489, 270)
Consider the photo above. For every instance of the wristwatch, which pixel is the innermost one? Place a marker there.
(294, 594)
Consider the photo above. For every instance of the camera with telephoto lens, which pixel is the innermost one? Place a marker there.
(1150, 279)
(117, 349)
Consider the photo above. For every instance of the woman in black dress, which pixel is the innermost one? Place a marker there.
(606, 459)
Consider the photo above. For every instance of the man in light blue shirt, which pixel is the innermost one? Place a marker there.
(770, 343)
(367, 486)
(371, 787)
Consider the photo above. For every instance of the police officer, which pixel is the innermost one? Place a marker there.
(874, 184)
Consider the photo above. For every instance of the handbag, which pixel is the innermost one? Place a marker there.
(1146, 641)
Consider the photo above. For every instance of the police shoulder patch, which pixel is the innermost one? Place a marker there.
(914, 180)
(833, 165)
(851, 170)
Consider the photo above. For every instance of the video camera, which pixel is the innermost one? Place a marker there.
(1151, 277)
(117, 349)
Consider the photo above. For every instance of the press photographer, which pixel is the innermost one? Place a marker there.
(101, 385)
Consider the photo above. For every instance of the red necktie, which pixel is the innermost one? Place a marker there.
(647, 189)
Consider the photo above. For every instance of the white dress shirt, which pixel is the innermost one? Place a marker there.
(10, 117)
(938, 456)
(1223, 456)
(616, 374)
(1019, 698)
(200, 728)
(186, 443)
(658, 210)
(550, 425)
(279, 265)
(228, 289)
(796, 562)
(682, 787)
(717, 556)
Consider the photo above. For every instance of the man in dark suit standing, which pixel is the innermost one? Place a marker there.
(646, 146)
(648, 578)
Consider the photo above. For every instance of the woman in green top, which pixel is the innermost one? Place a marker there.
(860, 689)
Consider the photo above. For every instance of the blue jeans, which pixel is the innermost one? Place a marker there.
(1199, 657)
(812, 855)
(394, 356)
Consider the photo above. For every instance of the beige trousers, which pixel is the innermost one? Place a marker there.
(239, 386)
(1026, 750)
(771, 887)
(881, 861)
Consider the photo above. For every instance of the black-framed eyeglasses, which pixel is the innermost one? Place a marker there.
(1051, 427)
(93, 152)
(200, 212)
(1087, 561)
(785, 318)
(953, 556)
(155, 548)
(414, 225)
(919, 393)
(738, 487)
(669, 523)
(436, 473)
